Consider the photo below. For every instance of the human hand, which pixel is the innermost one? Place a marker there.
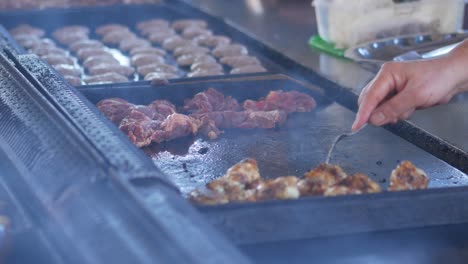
(400, 88)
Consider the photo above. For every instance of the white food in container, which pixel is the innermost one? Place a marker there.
(350, 22)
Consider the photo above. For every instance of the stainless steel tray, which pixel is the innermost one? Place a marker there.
(372, 55)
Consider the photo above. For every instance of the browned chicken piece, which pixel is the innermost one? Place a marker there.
(181, 24)
(110, 77)
(147, 50)
(116, 36)
(65, 69)
(103, 30)
(239, 61)
(193, 32)
(211, 41)
(408, 177)
(110, 67)
(73, 80)
(161, 76)
(206, 66)
(95, 60)
(316, 181)
(230, 50)
(25, 29)
(207, 197)
(191, 58)
(157, 67)
(145, 59)
(152, 23)
(356, 184)
(158, 37)
(85, 44)
(232, 190)
(173, 42)
(243, 173)
(49, 50)
(58, 59)
(83, 54)
(204, 72)
(190, 49)
(248, 69)
(280, 188)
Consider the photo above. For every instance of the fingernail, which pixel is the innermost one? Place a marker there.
(353, 127)
(378, 118)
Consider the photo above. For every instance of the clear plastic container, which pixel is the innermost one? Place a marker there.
(349, 22)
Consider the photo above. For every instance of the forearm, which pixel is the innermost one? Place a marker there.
(458, 61)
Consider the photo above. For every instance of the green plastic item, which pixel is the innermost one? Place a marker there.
(322, 45)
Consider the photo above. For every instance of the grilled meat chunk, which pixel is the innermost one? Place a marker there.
(92, 61)
(176, 126)
(86, 44)
(356, 184)
(173, 42)
(129, 44)
(105, 29)
(58, 59)
(182, 24)
(25, 29)
(115, 109)
(194, 31)
(210, 101)
(157, 67)
(138, 127)
(190, 49)
(292, 101)
(111, 67)
(211, 41)
(316, 181)
(116, 36)
(193, 58)
(162, 77)
(139, 60)
(408, 177)
(280, 188)
(158, 37)
(147, 50)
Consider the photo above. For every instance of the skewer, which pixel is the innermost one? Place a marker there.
(338, 139)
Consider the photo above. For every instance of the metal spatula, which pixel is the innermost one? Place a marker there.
(338, 139)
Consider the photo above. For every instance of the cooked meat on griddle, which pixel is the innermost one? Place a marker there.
(192, 58)
(73, 80)
(176, 126)
(152, 23)
(244, 173)
(163, 108)
(105, 29)
(157, 67)
(139, 60)
(239, 61)
(408, 177)
(129, 44)
(115, 109)
(162, 76)
(181, 24)
(25, 29)
(356, 184)
(100, 59)
(291, 101)
(67, 30)
(174, 42)
(43, 43)
(86, 44)
(248, 69)
(318, 180)
(282, 188)
(58, 59)
(214, 66)
(147, 50)
(158, 37)
(66, 69)
(27, 41)
(85, 53)
(116, 36)
(110, 77)
(208, 197)
(211, 41)
(210, 101)
(111, 67)
(193, 32)
(190, 49)
(49, 51)
(71, 38)
(138, 127)
(230, 50)
(204, 72)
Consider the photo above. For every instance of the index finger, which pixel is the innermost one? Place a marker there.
(373, 95)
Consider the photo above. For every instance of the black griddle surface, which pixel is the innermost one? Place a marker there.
(296, 147)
